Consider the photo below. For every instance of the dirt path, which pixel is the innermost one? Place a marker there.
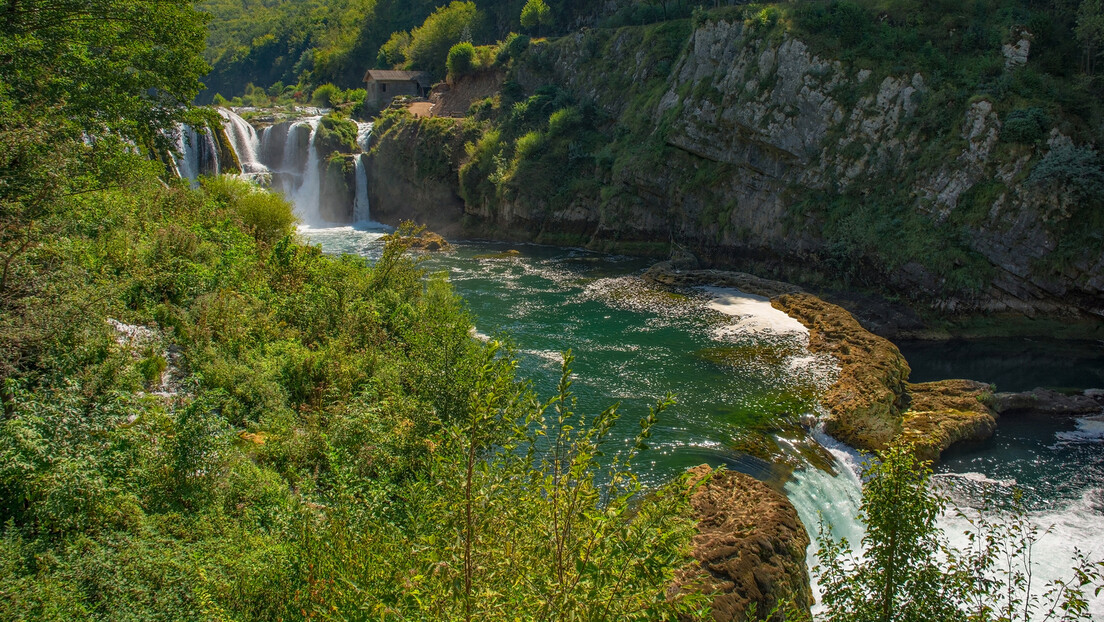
(420, 109)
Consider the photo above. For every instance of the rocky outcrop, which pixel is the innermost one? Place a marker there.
(665, 273)
(946, 412)
(455, 97)
(411, 170)
(424, 241)
(1048, 402)
(871, 404)
(750, 546)
(337, 188)
(866, 401)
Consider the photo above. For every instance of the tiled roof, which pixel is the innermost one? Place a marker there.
(396, 76)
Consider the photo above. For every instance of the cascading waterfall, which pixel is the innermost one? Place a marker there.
(286, 158)
(829, 499)
(246, 144)
(197, 154)
(305, 195)
(361, 212)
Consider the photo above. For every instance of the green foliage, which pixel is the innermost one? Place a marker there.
(900, 575)
(324, 95)
(336, 133)
(535, 14)
(460, 59)
(430, 43)
(512, 47)
(1077, 169)
(267, 216)
(393, 52)
(1090, 32)
(908, 571)
(585, 551)
(1025, 125)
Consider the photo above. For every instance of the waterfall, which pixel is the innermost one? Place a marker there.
(285, 157)
(364, 134)
(185, 158)
(361, 212)
(196, 154)
(305, 195)
(245, 142)
(834, 500)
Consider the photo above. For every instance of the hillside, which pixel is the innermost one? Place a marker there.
(947, 156)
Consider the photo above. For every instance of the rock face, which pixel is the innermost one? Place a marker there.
(406, 183)
(750, 546)
(774, 130)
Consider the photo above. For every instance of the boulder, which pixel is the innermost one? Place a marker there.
(750, 546)
(946, 412)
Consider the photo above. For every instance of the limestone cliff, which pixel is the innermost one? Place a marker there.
(745, 146)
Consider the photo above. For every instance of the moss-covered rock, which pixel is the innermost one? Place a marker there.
(750, 546)
(425, 241)
(945, 412)
(866, 401)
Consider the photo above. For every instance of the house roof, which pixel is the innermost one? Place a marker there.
(389, 75)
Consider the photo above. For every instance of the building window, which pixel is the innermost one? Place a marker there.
(383, 88)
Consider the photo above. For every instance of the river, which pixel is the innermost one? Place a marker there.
(745, 382)
(734, 378)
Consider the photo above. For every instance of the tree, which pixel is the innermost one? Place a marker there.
(430, 42)
(908, 571)
(81, 83)
(1090, 31)
(899, 577)
(535, 14)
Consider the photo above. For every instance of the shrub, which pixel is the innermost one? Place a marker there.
(460, 59)
(513, 47)
(1077, 168)
(1025, 125)
(326, 96)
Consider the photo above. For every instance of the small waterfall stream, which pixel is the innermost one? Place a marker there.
(246, 144)
(197, 154)
(361, 213)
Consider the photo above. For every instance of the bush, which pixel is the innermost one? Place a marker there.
(460, 59)
(513, 47)
(1025, 125)
(1077, 168)
(326, 96)
(908, 570)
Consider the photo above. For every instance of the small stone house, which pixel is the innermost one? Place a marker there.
(383, 85)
